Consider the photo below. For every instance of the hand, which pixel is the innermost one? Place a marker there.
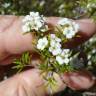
(87, 30)
(13, 43)
(30, 83)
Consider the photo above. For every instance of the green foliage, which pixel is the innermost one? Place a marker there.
(22, 62)
(90, 50)
(65, 8)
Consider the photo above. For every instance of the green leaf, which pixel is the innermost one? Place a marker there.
(22, 62)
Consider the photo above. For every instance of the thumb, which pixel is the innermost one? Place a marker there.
(79, 80)
(26, 84)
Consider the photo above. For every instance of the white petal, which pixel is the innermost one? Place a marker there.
(66, 60)
(59, 60)
(56, 51)
(63, 21)
(25, 28)
(52, 36)
(52, 43)
(89, 56)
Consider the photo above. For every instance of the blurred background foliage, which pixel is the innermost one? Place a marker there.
(75, 9)
(66, 8)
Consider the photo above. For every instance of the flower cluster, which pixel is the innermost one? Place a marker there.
(34, 22)
(42, 43)
(64, 57)
(50, 45)
(90, 51)
(91, 5)
(54, 46)
(69, 28)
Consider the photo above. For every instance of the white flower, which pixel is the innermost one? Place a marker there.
(65, 52)
(42, 43)
(89, 56)
(55, 46)
(55, 50)
(63, 58)
(90, 5)
(64, 21)
(66, 60)
(36, 25)
(94, 51)
(25, 28)
(59, 60)
(53, 43)
(6, 5)
(89, 63)
(91, 40)
(68, 32)
(27, 18)
(55, 38)
(75, 27)
(69, 28)
(34, 14)
(35, 21)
